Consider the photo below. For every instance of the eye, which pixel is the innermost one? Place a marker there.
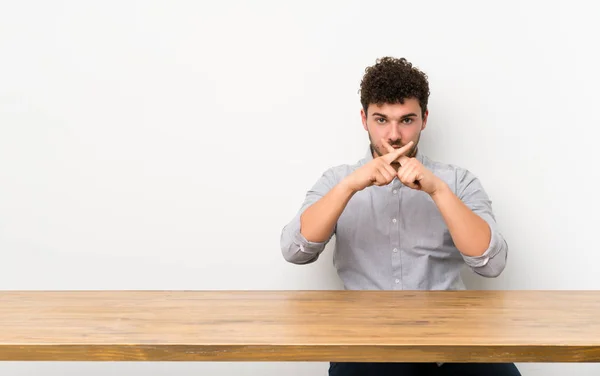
(407, 120)
(380, 120)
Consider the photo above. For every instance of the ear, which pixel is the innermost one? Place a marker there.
(364, 119)
(425, 116)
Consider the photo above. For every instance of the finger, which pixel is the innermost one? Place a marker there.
(403, 150)
(387, 146)
(387, 171)
(387, 174)
(391, 170)
(411, 182)
(380, 179)
(397, 153)
(390, 148)
(405, 172)
(414, 185)
(409, 176)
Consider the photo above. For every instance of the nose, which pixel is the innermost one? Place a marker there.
(394, 133)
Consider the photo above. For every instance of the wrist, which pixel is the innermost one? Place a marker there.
(346, 187)
(441, 189)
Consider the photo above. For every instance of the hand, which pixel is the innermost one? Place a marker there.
(379, 171)
(414, 175)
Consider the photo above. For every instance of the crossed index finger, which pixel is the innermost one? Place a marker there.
(394, 154)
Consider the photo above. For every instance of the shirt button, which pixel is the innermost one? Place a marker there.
(397, 281)
(395, 250)
(394, 191)
(394, 220)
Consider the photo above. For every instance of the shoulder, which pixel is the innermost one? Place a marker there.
(336, 173)
(445, 169)
(457, 177)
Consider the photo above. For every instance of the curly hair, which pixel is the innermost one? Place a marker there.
(393, 80)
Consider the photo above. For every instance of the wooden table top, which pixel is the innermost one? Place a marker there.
(442, 326)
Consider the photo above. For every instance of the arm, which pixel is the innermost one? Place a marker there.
(318, 221)
(472, 225)
(305, 237)
(468, 216)
(470, 233)
(295, 247)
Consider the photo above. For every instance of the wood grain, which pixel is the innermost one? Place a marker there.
(442, 326)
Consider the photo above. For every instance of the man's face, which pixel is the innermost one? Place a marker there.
(397, 123)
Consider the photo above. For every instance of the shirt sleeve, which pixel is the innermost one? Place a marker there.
(493, 261)
(294, 246)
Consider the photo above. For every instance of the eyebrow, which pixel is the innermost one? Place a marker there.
(402, 117)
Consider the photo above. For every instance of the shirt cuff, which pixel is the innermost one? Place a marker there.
(493, 249)
(303, 244)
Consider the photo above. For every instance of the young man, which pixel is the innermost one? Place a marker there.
(401, 220)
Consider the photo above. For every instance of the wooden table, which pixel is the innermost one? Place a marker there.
(428, 326)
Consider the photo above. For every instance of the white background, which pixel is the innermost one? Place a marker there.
(164, 144)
